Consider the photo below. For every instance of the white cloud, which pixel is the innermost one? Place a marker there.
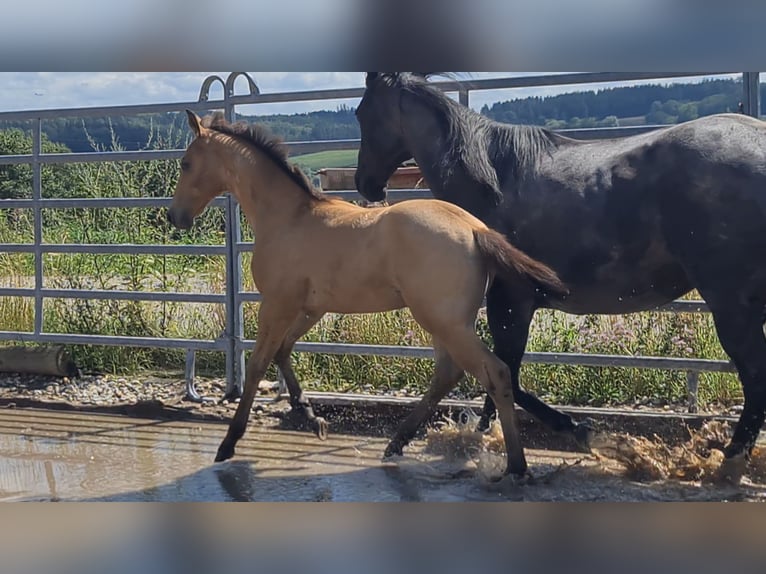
(37, 90)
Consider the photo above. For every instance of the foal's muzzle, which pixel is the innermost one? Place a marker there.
(179, 218)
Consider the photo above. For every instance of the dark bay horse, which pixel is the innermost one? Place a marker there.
(315, 255)
(628, 224)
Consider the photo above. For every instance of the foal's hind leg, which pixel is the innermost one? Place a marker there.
(473, 356)
(298, 401)
(446, 375)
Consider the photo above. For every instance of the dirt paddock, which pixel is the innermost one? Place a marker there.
(152, 449)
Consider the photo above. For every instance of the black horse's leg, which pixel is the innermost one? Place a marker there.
(740, 331)
(509, 322)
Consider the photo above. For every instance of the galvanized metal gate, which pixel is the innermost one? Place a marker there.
(232, 341)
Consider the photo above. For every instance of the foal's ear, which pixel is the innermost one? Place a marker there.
(370, 78)
(195, 123)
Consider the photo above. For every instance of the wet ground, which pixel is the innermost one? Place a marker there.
(61, 455)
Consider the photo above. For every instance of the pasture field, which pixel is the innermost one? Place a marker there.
(322, 159)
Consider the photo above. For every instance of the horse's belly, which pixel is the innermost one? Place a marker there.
(607, 302)
(621, 291)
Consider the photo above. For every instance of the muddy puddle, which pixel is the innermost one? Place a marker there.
(69, 456)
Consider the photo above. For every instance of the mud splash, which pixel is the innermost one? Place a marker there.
(636, 458)
(456, 441)
(459, 440)
(646, 459)
(700, 458)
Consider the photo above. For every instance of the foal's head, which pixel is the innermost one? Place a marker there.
(202, 176)
(210, 165)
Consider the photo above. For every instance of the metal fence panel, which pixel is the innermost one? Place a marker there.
(232, 342)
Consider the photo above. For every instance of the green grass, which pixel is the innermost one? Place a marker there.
(322, 159)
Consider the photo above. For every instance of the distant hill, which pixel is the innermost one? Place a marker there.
(607, 107)
(654, 103)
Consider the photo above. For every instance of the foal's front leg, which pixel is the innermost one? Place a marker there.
(273, 323)
(298, 401)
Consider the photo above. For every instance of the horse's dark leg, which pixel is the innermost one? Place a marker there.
(446, 375)
(487, 413)
(509, 322)
(740, 331)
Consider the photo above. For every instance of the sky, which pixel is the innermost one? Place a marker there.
(45, 90)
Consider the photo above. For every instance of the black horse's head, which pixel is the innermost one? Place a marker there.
(383, 148)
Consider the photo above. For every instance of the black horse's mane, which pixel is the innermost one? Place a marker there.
(486, 149)
(268, 143)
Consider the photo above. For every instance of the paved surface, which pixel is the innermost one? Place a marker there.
(60, 455)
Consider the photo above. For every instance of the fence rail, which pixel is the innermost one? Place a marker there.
(232, 341)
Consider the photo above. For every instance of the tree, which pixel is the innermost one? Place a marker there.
(658, 115)
(16, 180)
(555, 124)
(687, 111)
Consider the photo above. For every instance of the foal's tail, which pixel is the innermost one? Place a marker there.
(514, 265)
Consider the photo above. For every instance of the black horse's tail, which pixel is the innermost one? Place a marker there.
(514, 265)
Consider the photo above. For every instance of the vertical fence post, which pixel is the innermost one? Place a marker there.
(37, 195)
(751, 97)
(189, 373)
(463, 97)
(692, 387)
(235, 333)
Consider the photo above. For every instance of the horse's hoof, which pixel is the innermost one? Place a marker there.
(483, 424)
(584, 432)
(225, 452)
(393, 449)
(320, 428)
(731, 471)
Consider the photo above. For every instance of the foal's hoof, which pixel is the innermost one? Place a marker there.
(225, 452)
(320, 428)
(508, 483)
(232, 395)
(517, 470)
(584, 433)
(522, 479)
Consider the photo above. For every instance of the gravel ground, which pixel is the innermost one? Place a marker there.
(96, 391)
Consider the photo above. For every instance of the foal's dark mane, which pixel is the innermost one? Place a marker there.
(268, 143)
(485, 148)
